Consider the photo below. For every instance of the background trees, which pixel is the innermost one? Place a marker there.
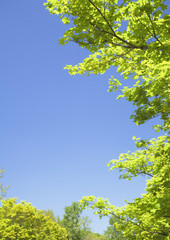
(134, 37)
(71, 221)
(23, 221)
(111, 232)
(50, 213)
(94, 236)
(76, 225)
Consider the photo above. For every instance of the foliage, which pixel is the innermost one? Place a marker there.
(71, 221)
(72, 214)
(94, 236)
(58, 220)
(147, 217)
(134, 37)
(111, 232)
(23, 221)
(131, 35)
(85, 223)
(50, 213)
(3, 189)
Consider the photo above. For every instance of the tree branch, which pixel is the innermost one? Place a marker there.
(152, 232)
(104, 31)
(118, 56)
(113, 32)
(154, 33)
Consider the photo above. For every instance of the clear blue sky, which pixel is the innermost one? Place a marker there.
(58, 132)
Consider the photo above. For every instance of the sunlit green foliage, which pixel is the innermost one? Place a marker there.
(49, 213)
(23, 221)
(131, 35)
(147, 217)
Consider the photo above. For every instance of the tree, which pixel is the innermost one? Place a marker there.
(111, 232)
(94, 236)
(23, 221)
(131, 35)
(134, 37)
(147, 217)
(50, 213)
(85, 223)
(71, 221)
(3, 189)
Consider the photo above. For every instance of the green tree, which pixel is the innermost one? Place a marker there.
(23, 221)
(71, 221)
(130, 35)
(147, 217)
(3, 189)
(111, 232)
(94, 236)
(133, 36)
(50, 213)
(85, 223)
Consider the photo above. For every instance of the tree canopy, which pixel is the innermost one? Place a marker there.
(49, 213)
(111, 233)
(134, 37)
(131, 35)
(23, 221)
(147, 217)
(71, 221)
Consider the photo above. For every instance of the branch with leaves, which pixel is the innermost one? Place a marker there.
(133, 36)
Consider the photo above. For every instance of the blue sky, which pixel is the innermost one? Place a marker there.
(58, 132)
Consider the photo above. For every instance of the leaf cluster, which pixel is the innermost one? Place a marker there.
(23, 221)
(131, 35)
(147, 217)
